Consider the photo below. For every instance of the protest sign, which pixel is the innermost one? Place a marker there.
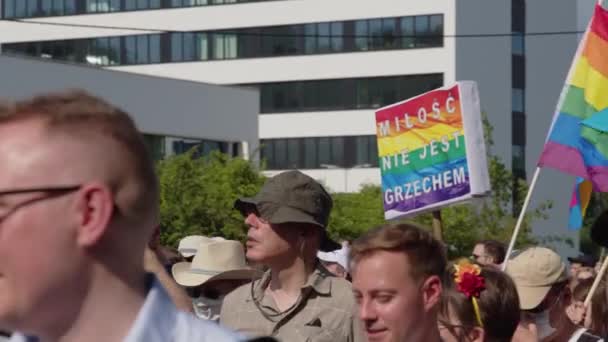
(432, 151)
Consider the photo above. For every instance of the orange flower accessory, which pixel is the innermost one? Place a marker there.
(469, 281)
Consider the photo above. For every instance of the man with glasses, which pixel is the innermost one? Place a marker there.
(489, 253)
(78, 204)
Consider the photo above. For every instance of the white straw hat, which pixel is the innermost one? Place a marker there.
(214, 260)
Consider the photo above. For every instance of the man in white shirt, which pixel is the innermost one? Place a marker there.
(78, 204)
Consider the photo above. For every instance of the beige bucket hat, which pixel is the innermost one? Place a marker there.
(214, 260)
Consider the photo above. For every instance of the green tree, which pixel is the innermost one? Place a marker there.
(197, 195)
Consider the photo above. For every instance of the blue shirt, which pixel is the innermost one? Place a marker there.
(159, 320)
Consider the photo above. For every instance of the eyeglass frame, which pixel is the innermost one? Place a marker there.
(52, 192)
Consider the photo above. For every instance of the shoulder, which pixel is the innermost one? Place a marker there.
(342, 292)
(190, 328)
(241, 293)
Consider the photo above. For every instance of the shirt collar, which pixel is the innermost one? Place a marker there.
(319, 280)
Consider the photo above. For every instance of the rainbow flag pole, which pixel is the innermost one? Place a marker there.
(576, 143)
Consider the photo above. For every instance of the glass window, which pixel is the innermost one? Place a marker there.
(142, 49)
(324, 148)
(517, 100)
(517, 44)
(189, 46)
(268, 153)
(155, 48)
(389, 34)
(9, 8)
(218, 45)
(46, 6)
(362, 150)
(323, 38)
(115, 5)
(436, 28)
(310, 153)
(280, 153)
(337, 151)
(337, 37)
(176, 47)
(373, 151)
(202, 48)
(293, 153)
(154, 3)
(519, 157)
(375, 30)
(58, 7)
(422, 30)
(230, 47)
(361, 35)
(21, 8)
(114, 51)
(130, 5)
(142, 4)
(362, 93)
(407, 33)
(91, 6)
(70, 7)
(310, 39)
(130, 50)
(32, 7)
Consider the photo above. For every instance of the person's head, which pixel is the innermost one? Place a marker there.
(497, 315)
(397, 272)
(78, 187)
(489, 252)
(542, 284)
(218, 267)
(287, 219)
(582, 264)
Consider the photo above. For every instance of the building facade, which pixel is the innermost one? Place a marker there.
(323, 67)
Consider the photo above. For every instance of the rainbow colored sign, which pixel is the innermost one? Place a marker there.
(431, 150)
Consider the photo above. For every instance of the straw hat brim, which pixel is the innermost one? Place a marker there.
(183, 276)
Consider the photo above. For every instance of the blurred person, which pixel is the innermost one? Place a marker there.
(397, 271)
(478, 304)
(582, 263)
(591, 320)
(336, 261)
(489, 253)
(78, 187)
(296, 299)
(217, 269)
(541, 279)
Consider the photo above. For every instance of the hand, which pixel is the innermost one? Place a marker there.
(151, 261)
(525, 332)
(576, 312)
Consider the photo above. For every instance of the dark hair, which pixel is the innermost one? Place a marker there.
(425, 254)
(599, 310)
(498, 304)
(582, 289)
(495, 249)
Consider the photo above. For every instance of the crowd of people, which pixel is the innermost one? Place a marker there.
(80, 257)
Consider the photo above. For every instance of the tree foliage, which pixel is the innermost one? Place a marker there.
(197, 195)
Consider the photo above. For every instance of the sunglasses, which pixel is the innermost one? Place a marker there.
(195, 292)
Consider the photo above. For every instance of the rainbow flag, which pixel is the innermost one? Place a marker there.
(579, 202)
(577, 143)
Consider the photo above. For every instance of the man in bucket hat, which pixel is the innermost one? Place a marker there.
(296, 299)
(217, 268)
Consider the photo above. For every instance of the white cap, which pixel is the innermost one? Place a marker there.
(339, 256)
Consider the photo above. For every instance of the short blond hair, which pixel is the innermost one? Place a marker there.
(425, 254)
(80, 115)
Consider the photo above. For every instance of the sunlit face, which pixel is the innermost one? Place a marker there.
(480, 256)
(39, 263)
(391, 304)
(267, 243)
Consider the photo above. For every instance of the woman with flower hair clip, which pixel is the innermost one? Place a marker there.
(478, 304)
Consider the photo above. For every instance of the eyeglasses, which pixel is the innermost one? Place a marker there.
(195, 292)
(51, 192)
